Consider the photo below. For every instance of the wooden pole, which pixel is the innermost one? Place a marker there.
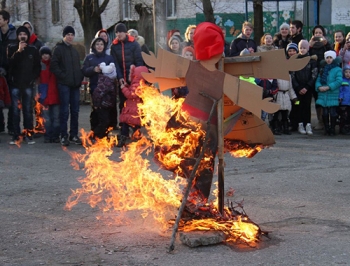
(221, 179)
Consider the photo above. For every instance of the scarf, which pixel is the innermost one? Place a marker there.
(325, 71)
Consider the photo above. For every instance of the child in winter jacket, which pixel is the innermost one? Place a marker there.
(49, 98)
(344, 101)
(304, 84)
(104, 99)
(269, 89)
(130, 116)
(327, 85)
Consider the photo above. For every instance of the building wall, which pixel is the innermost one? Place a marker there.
(188, 12)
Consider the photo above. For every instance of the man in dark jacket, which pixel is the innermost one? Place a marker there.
(7, 36)
(24, 69)
(126, 52)
(65, 64)
(243, 41)
(296, 29)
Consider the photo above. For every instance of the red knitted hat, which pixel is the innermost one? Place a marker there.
(208, 40)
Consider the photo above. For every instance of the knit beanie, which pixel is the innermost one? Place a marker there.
(22, 29)
(331, 54)
(174, 38)
(120, 27)
(346, 67)
(45, 50)
(304, 43)
(284, 26)
(188, 49)
(68, 29)
(292, 45)
(208, 41)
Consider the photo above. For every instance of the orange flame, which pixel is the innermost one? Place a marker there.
(130, 184)
(38, 107)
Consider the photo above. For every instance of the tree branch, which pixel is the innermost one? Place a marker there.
(78, 6)
(103, 6)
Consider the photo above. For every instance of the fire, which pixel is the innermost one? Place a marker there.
(238, 149)
(38, 107)
(129, 184)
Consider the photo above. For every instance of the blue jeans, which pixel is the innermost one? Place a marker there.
(69, 98)
(51, 115)
(22, 99)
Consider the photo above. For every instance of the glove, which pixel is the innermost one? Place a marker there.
(273, 92)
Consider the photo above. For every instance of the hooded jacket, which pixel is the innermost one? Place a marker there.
(33, 39)
(24, 67)
(108, 44)
(241, 42)
(65, 64)
(334, 81)
(126, 53)
(94, 59)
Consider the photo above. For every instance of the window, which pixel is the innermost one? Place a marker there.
(126, 9)
(170, 8)
(55, 10)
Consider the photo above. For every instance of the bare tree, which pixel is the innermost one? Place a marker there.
(258, 20)
(208, 11)
(90, 18)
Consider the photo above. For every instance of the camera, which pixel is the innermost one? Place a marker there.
(318, 39)
(23, 39)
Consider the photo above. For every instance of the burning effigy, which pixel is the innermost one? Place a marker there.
(184, 136)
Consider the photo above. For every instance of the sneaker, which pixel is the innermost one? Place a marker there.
(301, 129)
(14, 140)
(64, 141)
(308, 129)
(29, 139)
(75, 140)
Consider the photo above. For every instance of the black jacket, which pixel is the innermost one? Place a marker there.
(125, 54)
(65, 64)
(237, 45)
(306, 77)
(24, 67)
(10, 38)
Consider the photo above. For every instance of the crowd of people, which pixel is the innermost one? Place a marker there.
(113, 68)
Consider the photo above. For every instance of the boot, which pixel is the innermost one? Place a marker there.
(325, 119)
(121, 141)
(333, 123)
(275, 128)
(286, 128)
(319, 125)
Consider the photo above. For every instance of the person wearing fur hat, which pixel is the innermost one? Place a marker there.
(126, 52)
(327, 85)
(93, 70)
(303, 84)
(65, 64)
(24, 69)
(344, 101)
(281, 39)
(33, 39)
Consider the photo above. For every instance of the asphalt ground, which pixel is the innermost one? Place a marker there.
(298, 190)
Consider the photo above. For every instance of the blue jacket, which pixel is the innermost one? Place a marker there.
(344, 93)
(334, 80)
(94, 59)
(125, 54)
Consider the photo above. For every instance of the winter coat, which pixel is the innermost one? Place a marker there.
(296, 38)
(334, 80)
(104, 95)
(94, 59)
(306, 77)
(47, 77)
(279, 42)
(24, 67)
(65, 64)
(33, 39)
(130, 113)
(318, 49)
(345, 55)
(10, 38)
(125, 54)
(5, 99)
(241, 42)
(285, 94)
(269, 86)
(344, 92)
